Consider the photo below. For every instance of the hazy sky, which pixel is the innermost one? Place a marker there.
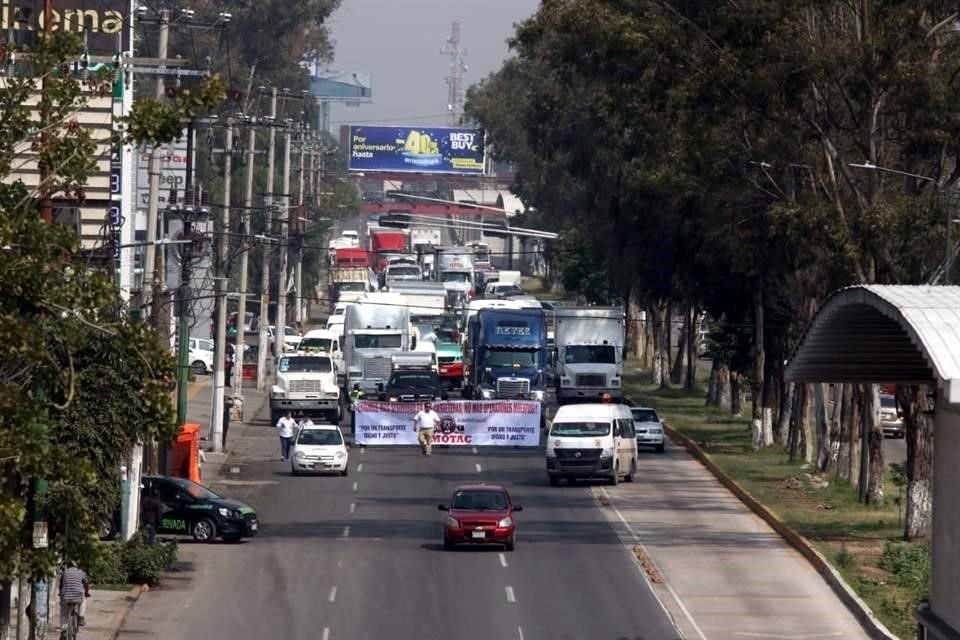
(399, 42)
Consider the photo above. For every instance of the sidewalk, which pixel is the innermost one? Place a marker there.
(107, 610)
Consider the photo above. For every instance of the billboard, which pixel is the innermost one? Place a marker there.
(173, 173)
(101, 23)
(416, 149)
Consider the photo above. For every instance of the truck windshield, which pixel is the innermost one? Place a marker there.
(510, 358)
(377, 341)
(580, 429)
(455, 276)
(590, 354)
(350, 286)
(316, 344)
(414, 381)
(402, 271)
(304, 364)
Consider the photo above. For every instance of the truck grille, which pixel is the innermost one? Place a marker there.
(578, 455)
(512, 388)
(305, 386)
(376, 368)
(591, 380)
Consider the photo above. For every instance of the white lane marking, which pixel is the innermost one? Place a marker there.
(353, 507)
(503, 560)
(478, 468)
(510, 596)
(326, 633)
(359, 467)
(346, 532)
(673, 594)
(520, 632)
(339, 564)
(333, 593)
(355, 485)
(474, 449)
(363, 450)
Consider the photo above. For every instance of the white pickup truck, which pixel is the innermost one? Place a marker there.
(306, 384)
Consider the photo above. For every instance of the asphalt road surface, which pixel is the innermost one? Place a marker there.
(360, 557)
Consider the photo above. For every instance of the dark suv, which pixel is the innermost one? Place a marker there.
(412, 386)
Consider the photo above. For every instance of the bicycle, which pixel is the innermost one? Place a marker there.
(69, 632)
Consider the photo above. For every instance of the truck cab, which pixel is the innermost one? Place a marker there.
(326, 342)
(373, 333)
(413, 379)
(508, 354)
(589, 353)
(306, 383)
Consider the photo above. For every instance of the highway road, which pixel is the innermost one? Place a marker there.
(360, 557)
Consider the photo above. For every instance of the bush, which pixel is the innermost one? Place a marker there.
(134, 562)
(909, 565)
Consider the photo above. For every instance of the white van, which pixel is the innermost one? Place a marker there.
(592, 441)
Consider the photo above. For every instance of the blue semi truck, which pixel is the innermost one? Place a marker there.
(507, 354)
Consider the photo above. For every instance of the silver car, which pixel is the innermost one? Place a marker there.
(649, 428)
(890, 419)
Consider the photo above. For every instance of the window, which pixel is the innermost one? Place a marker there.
(590, 354)
(320, 437)
(480, 500)
(304, 364)
(645, 415)
(401, 271)
(414, 381)
(316, 344)
(580, 429)
(378, 341)
(205, 345)
(626, 428)
(504, 358)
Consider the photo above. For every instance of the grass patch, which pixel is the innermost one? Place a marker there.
(860, 541)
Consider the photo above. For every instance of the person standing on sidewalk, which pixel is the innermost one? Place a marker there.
(285, 429)
(356, 395)
(424, 424)
(74, 591)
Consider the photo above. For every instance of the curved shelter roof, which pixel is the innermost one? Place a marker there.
(899, 334)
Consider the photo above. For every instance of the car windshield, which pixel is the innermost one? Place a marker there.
(580, 429)
(304, 364)
(350, 286)
(320, 436)
(197, 491)
(414, 380)
(455, 276)
(316, 344)
(888, 402)
(510, 358)
(480, 500)
(377, 341)
(404, 271)
(645, 415)
(590, 354)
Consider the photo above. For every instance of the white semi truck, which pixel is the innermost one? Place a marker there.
(306, 384)
(589, 361)
(375, 328)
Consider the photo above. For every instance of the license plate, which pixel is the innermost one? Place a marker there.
(479, 534)
(253, 526)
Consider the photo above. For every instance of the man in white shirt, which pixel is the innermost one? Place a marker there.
(285, 429)
(424, 423)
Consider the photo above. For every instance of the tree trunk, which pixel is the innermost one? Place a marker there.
(855, 431)
(636, 333)
(784, 419)
(649, 337)
(824, 443)
(918, 427)
(796, 417)
(713, 385)
(759, 369)
(806, 436)
(771, 389)
(871, 481)
(693, 347)
(680, 361)
(724, 398)
(661, 355)
(835, 433)
(736, 393)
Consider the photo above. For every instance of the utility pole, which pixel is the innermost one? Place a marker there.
(153, 268)
(265, 272)
(284, 248)
(244, 259)
(301, 225)
(220, 284)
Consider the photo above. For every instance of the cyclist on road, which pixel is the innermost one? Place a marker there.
(424, 424)
(74, 591)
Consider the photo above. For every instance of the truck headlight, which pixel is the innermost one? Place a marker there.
(564, 381)
(615, 382)
(606, 453)
(537, 395)
(486, 394)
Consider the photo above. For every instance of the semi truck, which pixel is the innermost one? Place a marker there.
(349, 274)
(374, 329)
(424, 299)
(507, 354)
(589, 353)
(306, 383)
(384, 242)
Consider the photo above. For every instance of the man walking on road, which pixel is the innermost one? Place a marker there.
(285, 429)
(424, 423)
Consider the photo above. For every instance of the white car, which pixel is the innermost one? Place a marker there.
(649, 428)
(319, 448)
(291, 337)
(201, 355)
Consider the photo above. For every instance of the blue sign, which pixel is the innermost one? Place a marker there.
(416, 149)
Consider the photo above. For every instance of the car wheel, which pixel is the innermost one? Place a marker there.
(345, 472)
(615, 478)
(554, 481)
(203, 530)
(508, 546)
(294, 471)
(632, 476)
(199, 367)
(661, 448)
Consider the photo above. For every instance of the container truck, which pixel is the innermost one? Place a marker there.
(374, 329)
(386, 241)
(589, 359)
(424, 239)
(507, 355)
(349, 275)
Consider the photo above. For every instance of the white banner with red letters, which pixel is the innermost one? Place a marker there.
(513, 423)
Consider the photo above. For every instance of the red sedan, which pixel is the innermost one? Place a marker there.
(480, 514)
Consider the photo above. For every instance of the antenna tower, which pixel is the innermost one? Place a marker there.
(455, 88)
